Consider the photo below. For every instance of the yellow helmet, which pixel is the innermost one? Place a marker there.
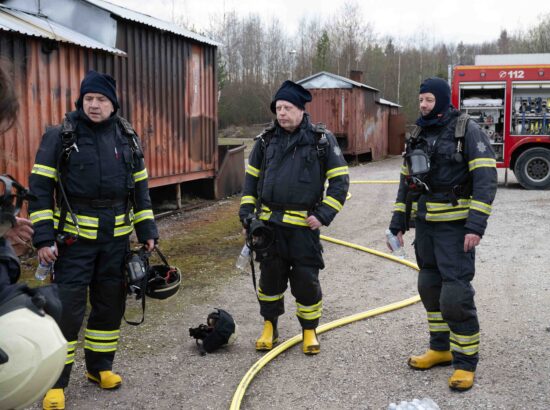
(32, 352)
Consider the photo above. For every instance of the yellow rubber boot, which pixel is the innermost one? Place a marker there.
(106, 380)
(311, 344)
(461, 380)
(430, 359)
(269, 337)
(54, 400)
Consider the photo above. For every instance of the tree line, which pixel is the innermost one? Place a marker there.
(256, 56)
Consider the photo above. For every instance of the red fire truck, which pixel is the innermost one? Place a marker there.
(512, 104)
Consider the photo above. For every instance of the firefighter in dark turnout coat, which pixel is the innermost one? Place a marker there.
(452, 199)
(96, 158)
(284, 187)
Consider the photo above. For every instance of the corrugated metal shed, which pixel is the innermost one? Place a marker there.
(31, 25)
(166, 84)
(354, 112)
(134, 16)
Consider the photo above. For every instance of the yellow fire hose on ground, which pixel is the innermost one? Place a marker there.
(256, 367)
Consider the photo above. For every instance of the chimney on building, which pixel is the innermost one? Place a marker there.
(356, 75)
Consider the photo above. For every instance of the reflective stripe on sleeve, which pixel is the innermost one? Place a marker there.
(481, 207)
(45, 171)
(333, 203)
(140, 175)
(248, 200)
(336, 172)
(143, 215)
(481, 162)
(255, 172)
(42, 215)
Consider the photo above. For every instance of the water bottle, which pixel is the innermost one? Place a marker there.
(393, 240)
(44, 269)
(243, 261)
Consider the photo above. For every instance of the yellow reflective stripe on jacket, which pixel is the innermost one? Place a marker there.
(42, 215)
(292, 218)
(404, 170)
(120, 225)
(481, 207)
(481, 162)
(333, 202)
(143, 215)
(311, 312)
(436, 322)
(399, 207)
(447, 216)
(266, 298)
(85, 233)
(255, 172)
(336, 172)
(71, 347)
(45, 171)
(446, 206)
(465, 344)
(82, 220)
(140, 175)
(248, 200)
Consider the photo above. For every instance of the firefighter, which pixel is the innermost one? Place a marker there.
(283, 195)
(449, 180)
(91, 183)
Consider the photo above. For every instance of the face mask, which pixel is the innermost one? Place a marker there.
(12, 195)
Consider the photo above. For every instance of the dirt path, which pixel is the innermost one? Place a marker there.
(362, 365)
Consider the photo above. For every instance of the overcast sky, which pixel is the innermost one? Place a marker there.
(470, 21)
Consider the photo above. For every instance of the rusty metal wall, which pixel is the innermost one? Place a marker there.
(47, 85)
(353, 115)
(166, 86)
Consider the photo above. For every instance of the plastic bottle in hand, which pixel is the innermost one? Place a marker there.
(44, 269)
(243, 261)
(393, 240)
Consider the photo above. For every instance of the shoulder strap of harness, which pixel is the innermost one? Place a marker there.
(131, 135)
(460, 132)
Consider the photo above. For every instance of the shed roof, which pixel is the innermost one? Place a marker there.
(324, 79)
(132, 15)
(41, 26)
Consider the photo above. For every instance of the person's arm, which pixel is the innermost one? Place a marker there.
(251, 179)
(337, 175)
(398, 222)
(481, 162)
(42, 183)
(144, 219)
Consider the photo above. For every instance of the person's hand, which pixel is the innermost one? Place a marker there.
(399, 238)
(21, 232)
(471, 240)
(46, 255)
(149, 245)
(313, 222)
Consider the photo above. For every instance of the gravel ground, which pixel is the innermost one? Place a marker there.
(361, 365)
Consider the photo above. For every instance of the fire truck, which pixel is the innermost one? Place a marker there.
(511, 103)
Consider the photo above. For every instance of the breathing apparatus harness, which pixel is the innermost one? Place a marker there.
(259, 236)
(11, 199)
(418, 154)
(69, 138)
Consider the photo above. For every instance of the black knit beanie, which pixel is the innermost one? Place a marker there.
(95, 82)
(293, 93)
(442, 92)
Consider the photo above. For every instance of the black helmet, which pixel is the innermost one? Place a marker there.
(163, 281)
(220, 330)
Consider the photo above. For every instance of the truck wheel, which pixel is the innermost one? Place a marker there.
(532, 168)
